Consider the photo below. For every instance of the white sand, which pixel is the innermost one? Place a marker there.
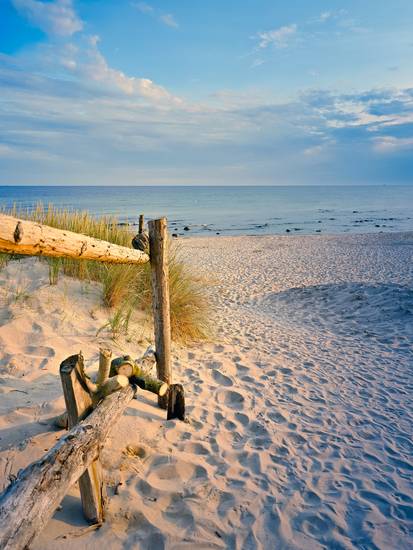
(300, 413)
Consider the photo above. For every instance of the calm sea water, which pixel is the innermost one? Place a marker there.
(238, 210)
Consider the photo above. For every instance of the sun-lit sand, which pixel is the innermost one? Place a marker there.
(299, 431)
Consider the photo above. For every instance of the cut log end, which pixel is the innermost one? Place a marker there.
(163, 389)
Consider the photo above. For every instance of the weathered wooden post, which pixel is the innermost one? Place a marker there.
(141, 223)
(176, 402)
(79, 405)
(158, 246)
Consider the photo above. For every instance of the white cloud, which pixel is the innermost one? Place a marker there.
(324, 16)
(143, 7)
(391, 144)
(92, 64)
(169, 20)
(166, 18)
(54, 18)
(328, 16)
(257, 63)
(83, 60)
(277, 37)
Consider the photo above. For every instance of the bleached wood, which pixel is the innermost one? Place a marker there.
(105, 356)
(158, 245)
(78, 405)
(27, 505)
(113, 384)
(148, 360)
(31, 238)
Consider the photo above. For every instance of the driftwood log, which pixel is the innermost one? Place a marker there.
(30, 501)
(34, 239)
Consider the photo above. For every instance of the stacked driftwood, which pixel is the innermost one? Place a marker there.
(92, 406)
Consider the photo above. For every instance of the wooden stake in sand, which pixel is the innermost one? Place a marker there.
(78, 405)
(105, 356)
(29, 502)
(141, 223)
(34, 239)
(158, 245)
(176, 402)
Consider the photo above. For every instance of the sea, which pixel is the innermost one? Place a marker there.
(232, 210)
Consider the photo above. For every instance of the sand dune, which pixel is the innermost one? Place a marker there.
(299, 431)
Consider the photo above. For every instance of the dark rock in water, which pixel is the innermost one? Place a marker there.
(175, 235)
(318, 230)
(288, 230)
(377, 225)
(217, 233)
(186, 228)
(331, 219)
(319, 221)
(297, 229)
(355, 211)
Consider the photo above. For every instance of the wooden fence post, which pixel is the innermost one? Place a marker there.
(141, 223)
(158, 246)
(79, 405)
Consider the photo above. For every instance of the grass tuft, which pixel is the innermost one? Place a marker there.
(125, 287)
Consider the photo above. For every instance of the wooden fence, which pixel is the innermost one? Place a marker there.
(91, 408)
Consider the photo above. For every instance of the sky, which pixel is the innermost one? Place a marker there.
(213, 92)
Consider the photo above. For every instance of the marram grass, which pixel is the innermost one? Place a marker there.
(125, 287)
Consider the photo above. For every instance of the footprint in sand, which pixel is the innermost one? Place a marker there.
(39, 351)
(221, 379)
(242, 418)
(277, 417)
(232, 399)
(241, 369)
(195, 448)
(174, 476)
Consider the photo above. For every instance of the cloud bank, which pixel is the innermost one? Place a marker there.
(68, 117)
(54, 18)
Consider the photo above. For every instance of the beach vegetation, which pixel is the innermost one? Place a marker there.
(125, 288)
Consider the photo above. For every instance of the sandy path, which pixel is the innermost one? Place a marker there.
(300, 414)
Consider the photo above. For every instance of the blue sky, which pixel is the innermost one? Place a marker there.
(213, 92)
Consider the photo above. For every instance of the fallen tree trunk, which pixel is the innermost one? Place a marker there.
(34, 239)
(30, 501)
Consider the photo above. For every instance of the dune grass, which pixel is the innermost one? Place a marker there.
(125, 287)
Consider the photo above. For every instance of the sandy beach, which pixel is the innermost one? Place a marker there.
(299, 431)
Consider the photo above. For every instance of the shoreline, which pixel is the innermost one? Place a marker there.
(187, 235)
